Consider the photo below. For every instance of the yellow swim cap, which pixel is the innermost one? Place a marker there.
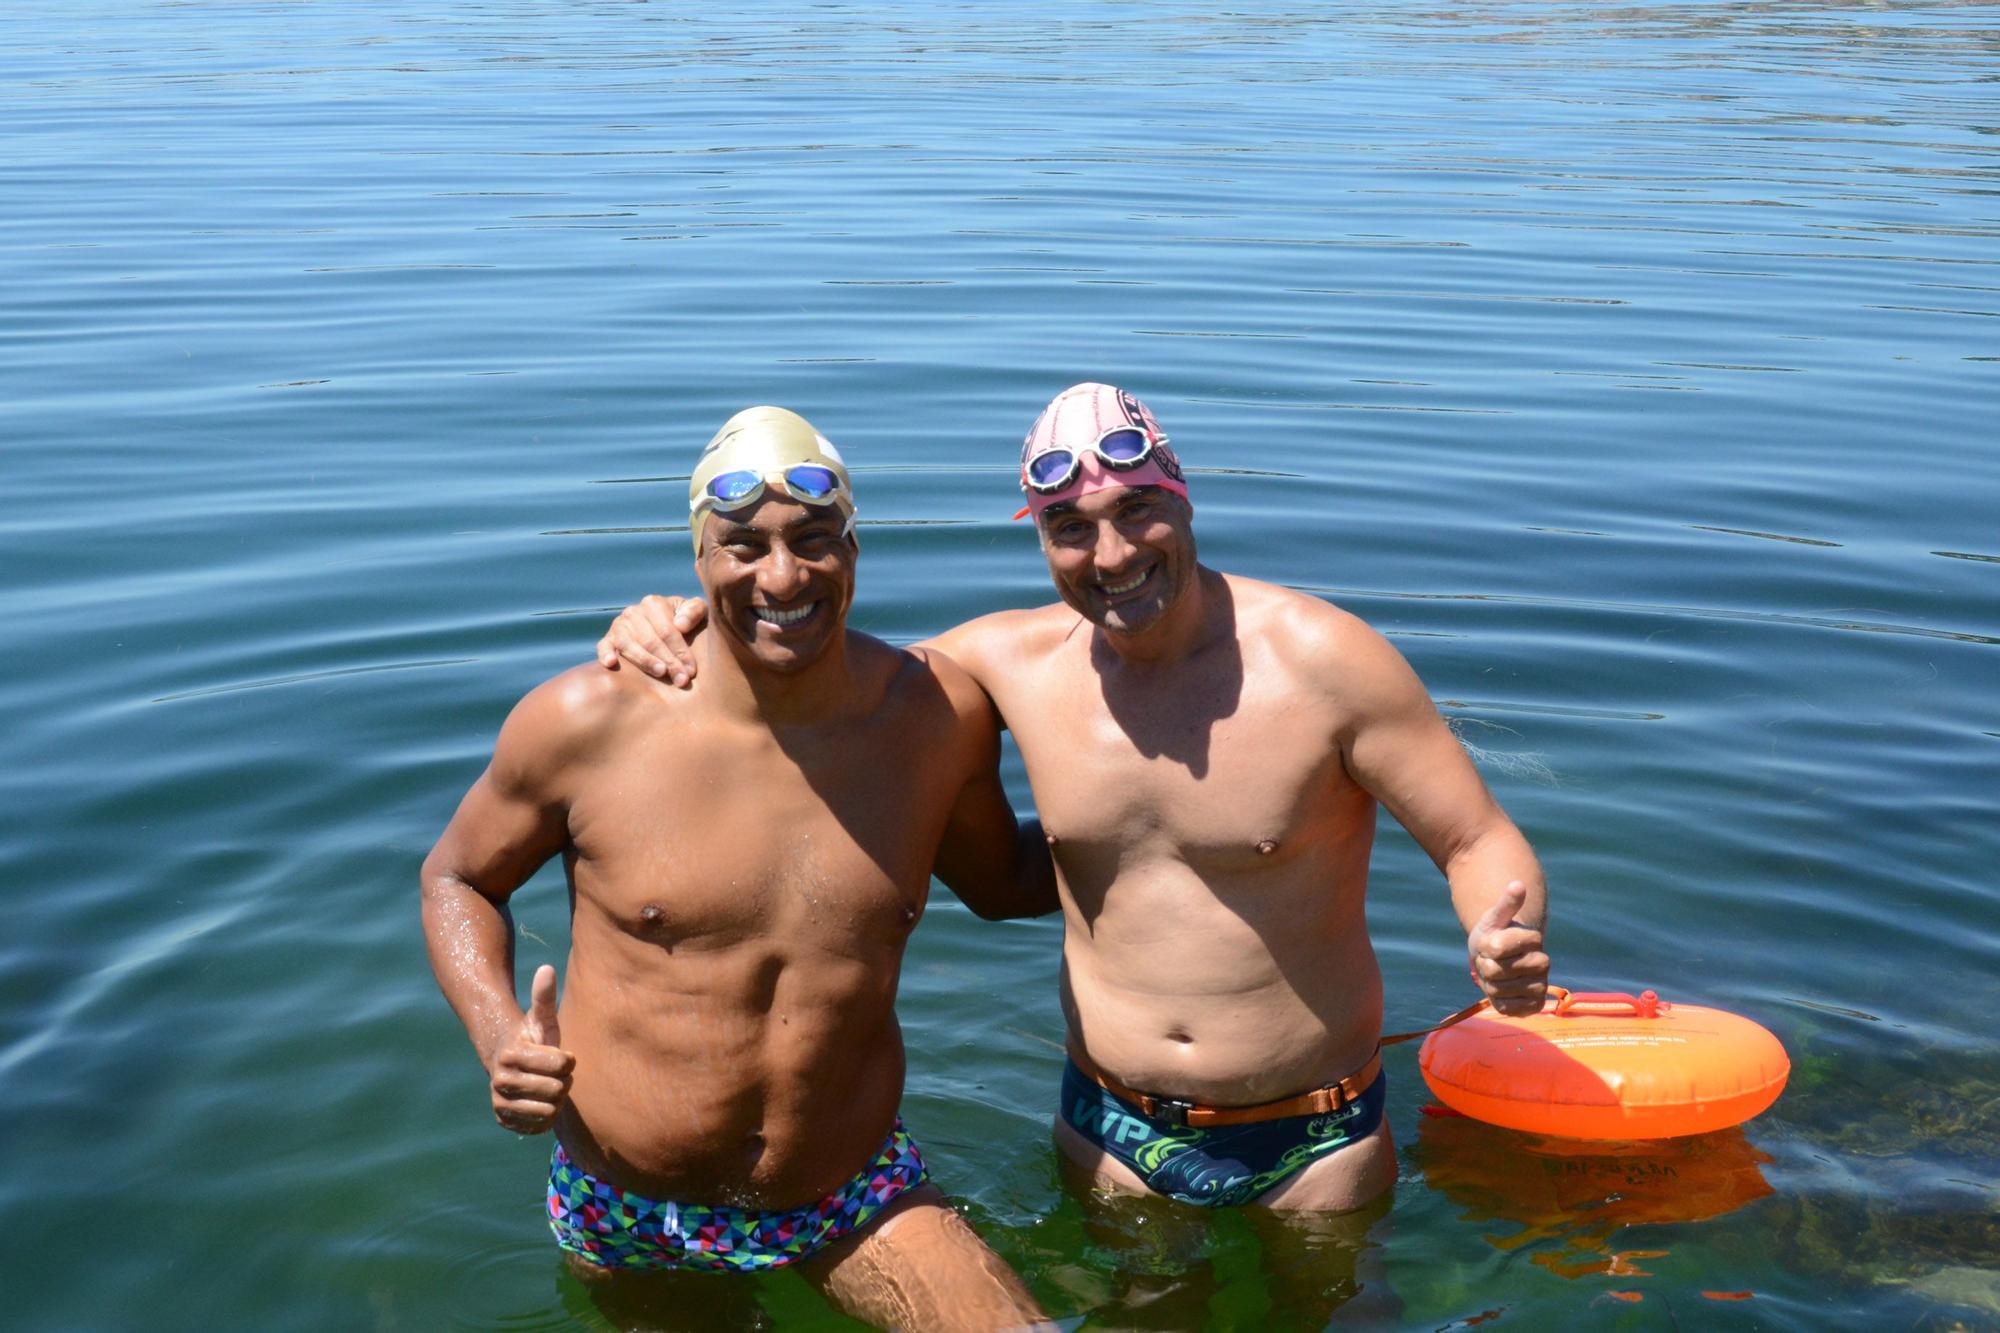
(767, 446)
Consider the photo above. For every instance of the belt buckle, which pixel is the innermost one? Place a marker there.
(1173, 1110)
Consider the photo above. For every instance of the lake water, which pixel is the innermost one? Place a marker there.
(1634, 366)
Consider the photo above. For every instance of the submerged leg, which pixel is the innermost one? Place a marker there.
(920, 1266)
(1317, 1263)
(666, 1302)
(1164, 1274)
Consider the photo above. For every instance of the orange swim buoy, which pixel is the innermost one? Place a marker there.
(1606, 1066)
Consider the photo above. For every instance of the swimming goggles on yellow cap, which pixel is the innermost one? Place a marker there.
(762, 447)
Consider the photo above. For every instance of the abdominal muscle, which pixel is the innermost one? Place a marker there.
(731, 1076)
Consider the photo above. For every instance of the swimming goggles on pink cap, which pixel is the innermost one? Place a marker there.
(1120, 449)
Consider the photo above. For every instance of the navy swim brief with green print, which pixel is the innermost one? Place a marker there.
(1218, 1167)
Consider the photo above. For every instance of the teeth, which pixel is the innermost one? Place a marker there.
(767, 615)
(1120, 589)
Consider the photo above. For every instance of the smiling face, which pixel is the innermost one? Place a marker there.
(779, 577)
(1120, 557)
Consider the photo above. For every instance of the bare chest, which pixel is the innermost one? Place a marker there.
(1214, 781)
(710, 845)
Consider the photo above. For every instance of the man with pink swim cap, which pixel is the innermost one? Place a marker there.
(1093, 438)
(1207, 755)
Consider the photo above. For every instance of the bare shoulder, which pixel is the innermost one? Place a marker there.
(1328, 649)
(572, 716)
(992, 644)
(963, 694)
(1299, 623)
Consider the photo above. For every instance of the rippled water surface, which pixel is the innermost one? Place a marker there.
(1633, 366)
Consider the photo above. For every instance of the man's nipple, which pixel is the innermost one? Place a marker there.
(653, 925)
(1267, 846)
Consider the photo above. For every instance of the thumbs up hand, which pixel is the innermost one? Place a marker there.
(1506, 956)
(531, 1072)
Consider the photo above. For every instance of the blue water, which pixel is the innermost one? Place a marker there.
(1634, 367)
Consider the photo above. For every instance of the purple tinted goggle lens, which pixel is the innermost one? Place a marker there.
(807, 481)
(1119, 449)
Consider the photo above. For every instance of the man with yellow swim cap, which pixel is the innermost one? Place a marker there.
(1207, 755)
(746, 861)
(762, 446)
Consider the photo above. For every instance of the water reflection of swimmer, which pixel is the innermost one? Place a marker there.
(1208, 754)
(1571, 1197)
(746, 862)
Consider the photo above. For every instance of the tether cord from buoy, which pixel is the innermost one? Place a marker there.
(1556, 993)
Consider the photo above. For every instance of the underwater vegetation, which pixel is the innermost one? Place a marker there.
(1898, 1174)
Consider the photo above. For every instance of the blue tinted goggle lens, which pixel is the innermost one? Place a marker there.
(807, 482)
(1052, 468)
(1122, 446)
(730, 487)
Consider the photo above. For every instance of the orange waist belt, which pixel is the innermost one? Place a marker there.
(1319, 1101)
(1193, 1115)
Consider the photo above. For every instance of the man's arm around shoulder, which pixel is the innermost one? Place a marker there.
(987, 647)
(998, 866)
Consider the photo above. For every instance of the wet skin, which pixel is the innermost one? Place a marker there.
(1207, 754)
(746, 860)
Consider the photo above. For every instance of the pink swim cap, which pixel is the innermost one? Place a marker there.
(1074, 421)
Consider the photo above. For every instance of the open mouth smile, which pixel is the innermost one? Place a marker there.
(1130, 585)
(766, 615)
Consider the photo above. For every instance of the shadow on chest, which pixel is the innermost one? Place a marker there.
(1206, 761)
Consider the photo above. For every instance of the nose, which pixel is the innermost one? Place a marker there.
(1112, 551)
(784, 575)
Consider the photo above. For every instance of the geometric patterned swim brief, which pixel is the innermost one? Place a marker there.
(610, 1227)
